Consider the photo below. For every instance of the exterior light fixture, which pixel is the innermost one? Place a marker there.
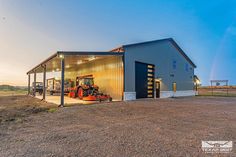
(92, 58)
(61, 56)
(198, 81)
(158, 79)
(79, 62)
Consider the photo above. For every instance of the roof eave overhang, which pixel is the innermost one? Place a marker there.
(42, 63)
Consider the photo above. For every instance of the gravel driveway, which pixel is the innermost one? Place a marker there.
(162, 127)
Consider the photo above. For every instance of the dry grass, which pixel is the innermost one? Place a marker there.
(16, 108)
(12, 93)
(217, 91)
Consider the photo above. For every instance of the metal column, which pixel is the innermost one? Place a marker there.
(62, 81)
(34, 84)
(44, 82)
(211, 89)
(28, 84)
(123, 94)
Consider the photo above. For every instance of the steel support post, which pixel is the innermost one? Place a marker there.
(28, 84)
(34, 84)
(62, 80)
(44, 82)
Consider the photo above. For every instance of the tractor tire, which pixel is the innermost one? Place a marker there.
(40, 92)
(81, 93)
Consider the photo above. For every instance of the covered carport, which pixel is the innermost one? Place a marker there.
(106, 68)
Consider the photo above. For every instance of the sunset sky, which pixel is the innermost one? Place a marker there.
(32, 30)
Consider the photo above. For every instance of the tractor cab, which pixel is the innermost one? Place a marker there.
(85, 80)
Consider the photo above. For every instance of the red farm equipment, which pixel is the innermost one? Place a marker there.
(85, 89)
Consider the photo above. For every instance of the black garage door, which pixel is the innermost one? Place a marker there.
(144, 80)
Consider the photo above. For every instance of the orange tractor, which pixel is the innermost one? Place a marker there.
(86, 90)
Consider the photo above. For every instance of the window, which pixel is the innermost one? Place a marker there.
(174, 64)
(186, 67)
(172, 75)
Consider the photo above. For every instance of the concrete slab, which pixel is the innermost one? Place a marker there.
(68, 101)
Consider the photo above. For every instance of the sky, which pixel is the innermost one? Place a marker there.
(32, 30)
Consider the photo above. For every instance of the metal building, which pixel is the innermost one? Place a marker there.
(153, 69)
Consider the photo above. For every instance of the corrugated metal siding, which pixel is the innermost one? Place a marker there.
(162, 56)
(107, 73)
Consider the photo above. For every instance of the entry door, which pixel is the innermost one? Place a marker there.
(158, 86)
(144, 80)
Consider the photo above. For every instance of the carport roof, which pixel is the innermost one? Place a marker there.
(73, 53)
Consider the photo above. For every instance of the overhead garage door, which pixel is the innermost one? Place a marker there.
(144, 80)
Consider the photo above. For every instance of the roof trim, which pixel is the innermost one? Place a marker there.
(161, 40)
(147, 42)
(182, 52)
(118, 49)
(67, 53)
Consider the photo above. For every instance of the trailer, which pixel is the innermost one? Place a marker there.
(54, 86)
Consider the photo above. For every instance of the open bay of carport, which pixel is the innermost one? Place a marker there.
(104, 68)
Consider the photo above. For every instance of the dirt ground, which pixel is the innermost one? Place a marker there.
(162, 127)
